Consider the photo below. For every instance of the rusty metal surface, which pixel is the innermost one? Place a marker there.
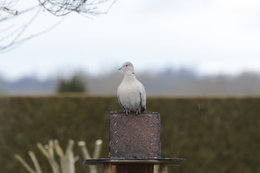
(130, 168)
(165, 161)
(135, 136)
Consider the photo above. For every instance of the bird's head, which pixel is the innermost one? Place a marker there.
(127, 67)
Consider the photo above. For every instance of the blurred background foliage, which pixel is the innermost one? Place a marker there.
(215, 135)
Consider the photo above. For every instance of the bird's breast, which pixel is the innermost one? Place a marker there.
(128, 95)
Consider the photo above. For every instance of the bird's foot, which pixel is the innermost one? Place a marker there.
(137, 112)
(126, 112)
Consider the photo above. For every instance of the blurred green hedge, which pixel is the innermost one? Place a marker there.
(215, 135)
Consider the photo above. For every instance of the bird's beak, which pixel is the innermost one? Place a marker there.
(120, 68)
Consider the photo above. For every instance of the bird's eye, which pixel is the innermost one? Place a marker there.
(126, 65)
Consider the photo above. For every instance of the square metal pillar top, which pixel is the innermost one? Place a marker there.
(135, 136)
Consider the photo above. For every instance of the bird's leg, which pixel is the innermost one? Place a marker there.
(137, 112)
(125, 111)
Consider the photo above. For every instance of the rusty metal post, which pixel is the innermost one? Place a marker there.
(134, 168)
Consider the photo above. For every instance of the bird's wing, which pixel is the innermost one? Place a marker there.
(119, 101)
(142, 98)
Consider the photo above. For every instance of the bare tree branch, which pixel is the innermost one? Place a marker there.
(12, 35)
(20, 31)
(64, 7)
(14, 13)
(14, 44)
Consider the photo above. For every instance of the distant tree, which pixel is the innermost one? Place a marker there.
(75, 84)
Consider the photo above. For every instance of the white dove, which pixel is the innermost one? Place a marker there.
(131, 93)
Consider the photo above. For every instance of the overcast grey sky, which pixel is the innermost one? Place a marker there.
(211, 36)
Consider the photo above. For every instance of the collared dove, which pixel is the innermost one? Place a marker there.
(131, 93)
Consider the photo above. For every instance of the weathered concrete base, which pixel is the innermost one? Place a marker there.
(135, 136)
